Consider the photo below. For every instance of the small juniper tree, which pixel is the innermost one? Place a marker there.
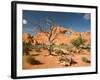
(77, 42)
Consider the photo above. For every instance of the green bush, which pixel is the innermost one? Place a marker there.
(77, 42)
(63, 46)
(32, 60)
(84, 59)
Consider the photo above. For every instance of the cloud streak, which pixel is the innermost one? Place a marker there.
(87, 16)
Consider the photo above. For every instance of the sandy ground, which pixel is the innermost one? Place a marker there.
(47, 61)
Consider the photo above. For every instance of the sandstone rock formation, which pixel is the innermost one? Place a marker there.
(60, 38)
(87, 37)
(26, 37)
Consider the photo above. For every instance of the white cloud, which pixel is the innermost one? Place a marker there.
(87, 16)
(24, 21)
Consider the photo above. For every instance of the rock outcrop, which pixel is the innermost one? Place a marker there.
(60, 38)
(26, 37)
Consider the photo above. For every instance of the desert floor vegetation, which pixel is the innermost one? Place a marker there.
(63, 56)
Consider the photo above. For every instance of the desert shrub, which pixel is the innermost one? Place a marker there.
(26, 48)
(32, 60)
(77, 42)
(86, 47)
(63, 45)
(84, 59)
(58, 52)
(45, 47)
(66, 60)
(37, 48)
(53, 46)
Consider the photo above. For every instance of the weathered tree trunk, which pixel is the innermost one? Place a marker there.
(50, 49)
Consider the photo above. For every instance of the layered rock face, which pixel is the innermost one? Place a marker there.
(41, 38)
(87, 37)
(59, 36)
(26, 37)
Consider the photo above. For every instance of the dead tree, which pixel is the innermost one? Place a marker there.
(49, 28)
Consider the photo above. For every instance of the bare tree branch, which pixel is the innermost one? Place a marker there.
(49, 27)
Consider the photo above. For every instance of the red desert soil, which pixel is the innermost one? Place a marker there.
(47, 61)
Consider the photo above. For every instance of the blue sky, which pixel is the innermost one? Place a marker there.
(80, 22)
